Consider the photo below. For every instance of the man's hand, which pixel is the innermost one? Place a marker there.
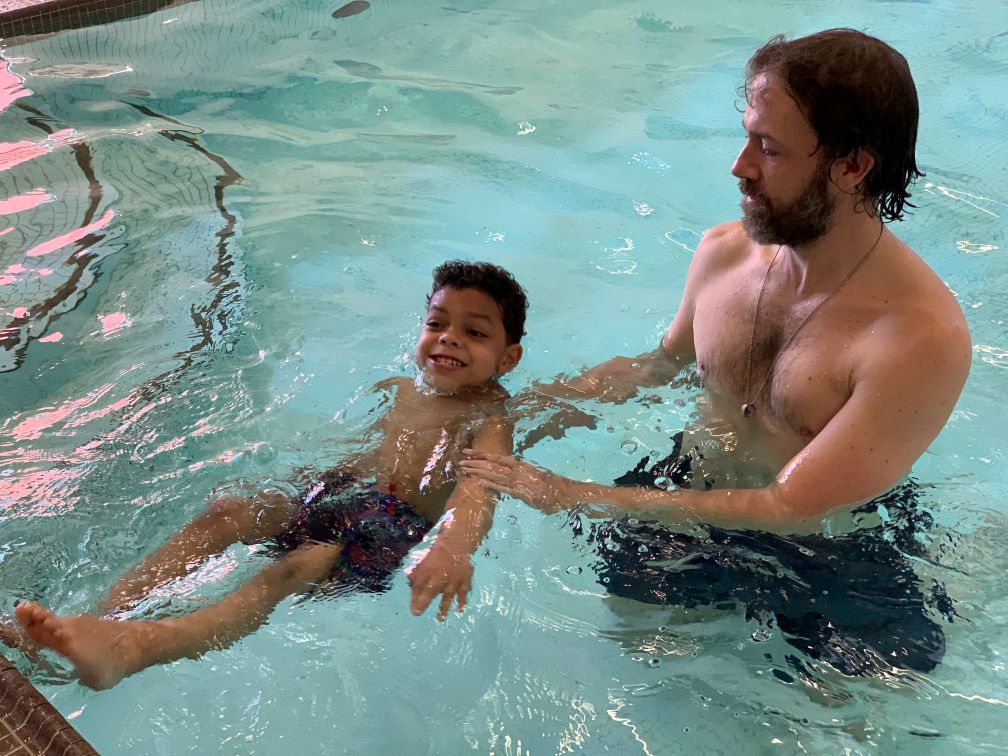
(442, 571)
(551, 417)
(538, 488)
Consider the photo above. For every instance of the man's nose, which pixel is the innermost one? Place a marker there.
(744, 166)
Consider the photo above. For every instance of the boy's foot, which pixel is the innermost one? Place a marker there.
(12, 636)
(103, 651)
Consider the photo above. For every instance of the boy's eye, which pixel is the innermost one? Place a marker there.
(433, 323)
(477, 334)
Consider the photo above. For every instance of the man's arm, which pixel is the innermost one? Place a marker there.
(892, 416)
(618, 379)
(615, 380)
(447, 568)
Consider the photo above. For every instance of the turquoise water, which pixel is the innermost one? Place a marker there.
(265, 190)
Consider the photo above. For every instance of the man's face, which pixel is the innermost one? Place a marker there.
(787, 194)
(801, 220)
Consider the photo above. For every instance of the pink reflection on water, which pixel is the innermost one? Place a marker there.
(10, 275)
(26, 201)
(31, 428)
(70, 237)
(15, 153)
(114, 322)
(42, 482)
(52, 338)
(10, 86)
(174, 443)
(50, 492)
(98, 414)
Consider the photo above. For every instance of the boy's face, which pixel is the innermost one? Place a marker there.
(463, 342)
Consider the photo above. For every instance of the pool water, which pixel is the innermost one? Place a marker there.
(219, 226)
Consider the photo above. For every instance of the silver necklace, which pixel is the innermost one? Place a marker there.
(749, 402)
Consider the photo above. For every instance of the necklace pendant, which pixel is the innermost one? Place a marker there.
(748, 410)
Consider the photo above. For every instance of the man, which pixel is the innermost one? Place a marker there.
(826, 346)
(830, 355)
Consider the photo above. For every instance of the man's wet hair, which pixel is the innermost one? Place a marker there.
(857, 93)
(493, 281)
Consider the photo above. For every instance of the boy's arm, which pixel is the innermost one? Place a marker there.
(446, 569)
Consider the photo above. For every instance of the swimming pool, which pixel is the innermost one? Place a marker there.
(264, 190)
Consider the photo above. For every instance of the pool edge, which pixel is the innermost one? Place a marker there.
(33, 19)
(29, 724)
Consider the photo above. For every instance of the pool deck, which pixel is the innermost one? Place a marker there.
(29, 724)
(30, 18)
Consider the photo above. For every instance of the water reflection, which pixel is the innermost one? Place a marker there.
(63, 428)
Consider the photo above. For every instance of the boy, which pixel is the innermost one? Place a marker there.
(355, 521)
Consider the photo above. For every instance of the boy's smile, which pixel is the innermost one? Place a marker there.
(463, 342)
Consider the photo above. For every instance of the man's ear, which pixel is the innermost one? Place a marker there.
(849, 172)
(510, 358)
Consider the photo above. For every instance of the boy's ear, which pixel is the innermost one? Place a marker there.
(510, 358)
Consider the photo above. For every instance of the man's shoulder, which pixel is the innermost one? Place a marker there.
(919, 299)
(725, 245)
(918, 315)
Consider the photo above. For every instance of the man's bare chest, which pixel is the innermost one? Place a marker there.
(796, 370)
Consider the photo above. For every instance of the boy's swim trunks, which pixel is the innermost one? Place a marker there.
(377, 529)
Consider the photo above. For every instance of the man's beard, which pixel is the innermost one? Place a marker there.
(804, 220)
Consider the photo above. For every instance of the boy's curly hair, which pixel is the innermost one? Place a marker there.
(493, 281)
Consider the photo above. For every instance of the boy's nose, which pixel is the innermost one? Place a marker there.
(449, 337)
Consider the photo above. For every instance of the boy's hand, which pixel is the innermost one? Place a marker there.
(440, 571)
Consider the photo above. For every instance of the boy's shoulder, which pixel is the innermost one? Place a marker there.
(395, 382)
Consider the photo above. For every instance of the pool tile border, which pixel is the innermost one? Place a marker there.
(54, 16)
(29, 724)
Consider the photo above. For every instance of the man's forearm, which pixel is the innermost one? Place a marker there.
(615, 380)
(734, 507)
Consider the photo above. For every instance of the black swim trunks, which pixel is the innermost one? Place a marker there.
(853, 600)
(377, 529)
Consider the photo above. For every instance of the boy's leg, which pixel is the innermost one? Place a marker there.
(227, 520)
(104, 651)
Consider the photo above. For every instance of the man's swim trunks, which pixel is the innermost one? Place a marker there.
(377, 529)
(852, 600)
